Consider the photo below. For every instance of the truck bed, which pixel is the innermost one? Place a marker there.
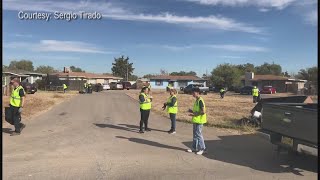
(295, 120)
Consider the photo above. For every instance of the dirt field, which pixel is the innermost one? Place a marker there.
(38, 103)
(223, 113)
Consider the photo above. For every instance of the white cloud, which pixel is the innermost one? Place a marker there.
(278, 4)
(112, 11)
(264, 10)
(23, 35)
(213, 22)
(312, 17)
(226, 47)
(58, 46)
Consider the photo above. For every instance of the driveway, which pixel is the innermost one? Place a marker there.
(94, 136)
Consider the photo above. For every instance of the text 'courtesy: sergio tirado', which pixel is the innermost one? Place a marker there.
(67, 16)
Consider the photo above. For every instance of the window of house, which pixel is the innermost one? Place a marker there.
(159, 83)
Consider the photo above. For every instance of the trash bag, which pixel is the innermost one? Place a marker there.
(8, 115)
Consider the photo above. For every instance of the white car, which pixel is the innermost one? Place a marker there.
(106, 87)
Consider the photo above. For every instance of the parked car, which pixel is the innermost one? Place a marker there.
(211, 88)
(246, 90)
(268, 90)
(106, 87)
(126, 85)
(116, 86)
(29, 88)
(190, 87)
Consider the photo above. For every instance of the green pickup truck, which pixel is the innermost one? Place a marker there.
(291, 126)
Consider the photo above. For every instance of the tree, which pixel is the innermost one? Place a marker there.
(285, 74)
(163, 72)
(148, 76)
(122, 68)
(309, 74)
(267, 68)
(226, 75)
(243, 68)
(183, 73)
(45, 69)
(133, 78)
(76, 69)
(26, 65)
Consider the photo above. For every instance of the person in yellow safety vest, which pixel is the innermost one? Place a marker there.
(172, 109)
(222, 92)
(65, 87)
(17, 100)
(145, 107)
(255, 94)
(199, 117)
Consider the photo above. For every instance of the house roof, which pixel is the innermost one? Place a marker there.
(86, 75)
(270, 77)
(19, 72)
(174, 78)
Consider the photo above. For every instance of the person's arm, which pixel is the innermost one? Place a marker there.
(141, 98)
(173, 101)
(22, 95)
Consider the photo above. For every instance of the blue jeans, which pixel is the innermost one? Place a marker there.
(198, 141)
(173, 121)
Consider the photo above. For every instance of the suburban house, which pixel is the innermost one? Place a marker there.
(162, 81)
(281, 83)
(24, 76)
(92, 78)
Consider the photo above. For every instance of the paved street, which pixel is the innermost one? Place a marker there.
(94, 136)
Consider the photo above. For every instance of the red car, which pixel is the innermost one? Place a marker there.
(268, 90)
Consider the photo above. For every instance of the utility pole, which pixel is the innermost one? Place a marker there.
(127, 71)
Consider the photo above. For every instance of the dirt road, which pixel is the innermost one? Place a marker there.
(94, 136)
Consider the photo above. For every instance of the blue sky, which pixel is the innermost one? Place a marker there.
(173, 35)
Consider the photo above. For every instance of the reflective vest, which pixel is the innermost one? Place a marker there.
(255, 92)
(85, 85)
(200, 119)
(172, 109)
(222, 90)
(65, 86)
(146, 105)
(15, 99)
(89, 85)
(149, 86)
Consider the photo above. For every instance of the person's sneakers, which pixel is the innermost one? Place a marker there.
(190, 150)
(141, 132)
(15, 134)
(172, 132)
(148, 129)
(200, 152)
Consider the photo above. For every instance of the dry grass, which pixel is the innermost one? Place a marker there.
(222, 113)
(38, 103)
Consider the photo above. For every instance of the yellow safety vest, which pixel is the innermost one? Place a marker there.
(65, 86)
(15, 99)
(146, 105)
(222, 90)
(85, 85)
(255, 92)
(200, 119)
(172, 109)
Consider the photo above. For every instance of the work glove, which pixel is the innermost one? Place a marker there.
(164, 106)
(20, 110)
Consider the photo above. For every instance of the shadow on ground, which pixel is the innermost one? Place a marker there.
(151, 143)
(257, 153)
(125, 127)
(7, 130)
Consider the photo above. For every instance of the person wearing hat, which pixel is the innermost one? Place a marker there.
(199, 117)
(17, 100)
(172, 108)
(255, 94)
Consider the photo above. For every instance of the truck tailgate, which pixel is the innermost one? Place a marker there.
(292, 120)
